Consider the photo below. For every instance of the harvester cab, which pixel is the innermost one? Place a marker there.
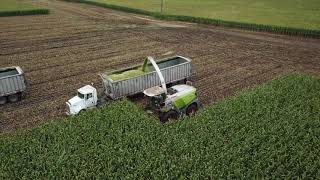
(171, 103)
(156, 97)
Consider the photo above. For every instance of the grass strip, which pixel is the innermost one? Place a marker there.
(272, 131)
(249, 26)
(23, 12)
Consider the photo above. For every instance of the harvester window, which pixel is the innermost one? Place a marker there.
(171, 91)
(89, 96)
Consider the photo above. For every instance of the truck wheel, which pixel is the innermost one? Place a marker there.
(192, 109)
(170, 115)
(14, 98)
(3, 100)
(82, 112)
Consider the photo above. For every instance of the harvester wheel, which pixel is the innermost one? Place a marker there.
(170, 115)
(3, 100)
(14, 98)
(192, 109)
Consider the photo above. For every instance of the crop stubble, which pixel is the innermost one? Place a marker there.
(66, 49)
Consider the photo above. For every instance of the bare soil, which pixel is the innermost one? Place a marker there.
(66, 49)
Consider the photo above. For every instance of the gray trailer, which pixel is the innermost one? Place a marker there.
(12, 84)
(175, 70)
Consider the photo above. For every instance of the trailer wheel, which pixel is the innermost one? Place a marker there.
(3, 100)
(192, 109)
(170, 115)
(14, 98)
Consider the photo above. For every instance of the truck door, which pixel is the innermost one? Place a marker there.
(89, 100)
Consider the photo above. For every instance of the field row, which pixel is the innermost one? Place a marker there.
(299, 14)
(271, 131)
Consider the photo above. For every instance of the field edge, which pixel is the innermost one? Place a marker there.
(310, 33)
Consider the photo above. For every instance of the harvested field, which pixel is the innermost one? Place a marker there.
(66, 49)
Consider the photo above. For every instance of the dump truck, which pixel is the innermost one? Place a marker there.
(12, 84)
(150, 78)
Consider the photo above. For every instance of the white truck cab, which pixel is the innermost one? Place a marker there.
(85, 99)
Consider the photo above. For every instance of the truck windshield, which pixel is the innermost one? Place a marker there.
(81, 95)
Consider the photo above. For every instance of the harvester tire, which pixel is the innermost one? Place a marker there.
(192, 109)
(3, 100)
(170, 115)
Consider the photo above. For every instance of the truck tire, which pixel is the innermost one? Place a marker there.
(3, 100)
(14, 98)
(170, 115)
(82, 111)
(192, 109)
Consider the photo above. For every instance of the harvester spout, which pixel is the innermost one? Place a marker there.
(163, 83)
